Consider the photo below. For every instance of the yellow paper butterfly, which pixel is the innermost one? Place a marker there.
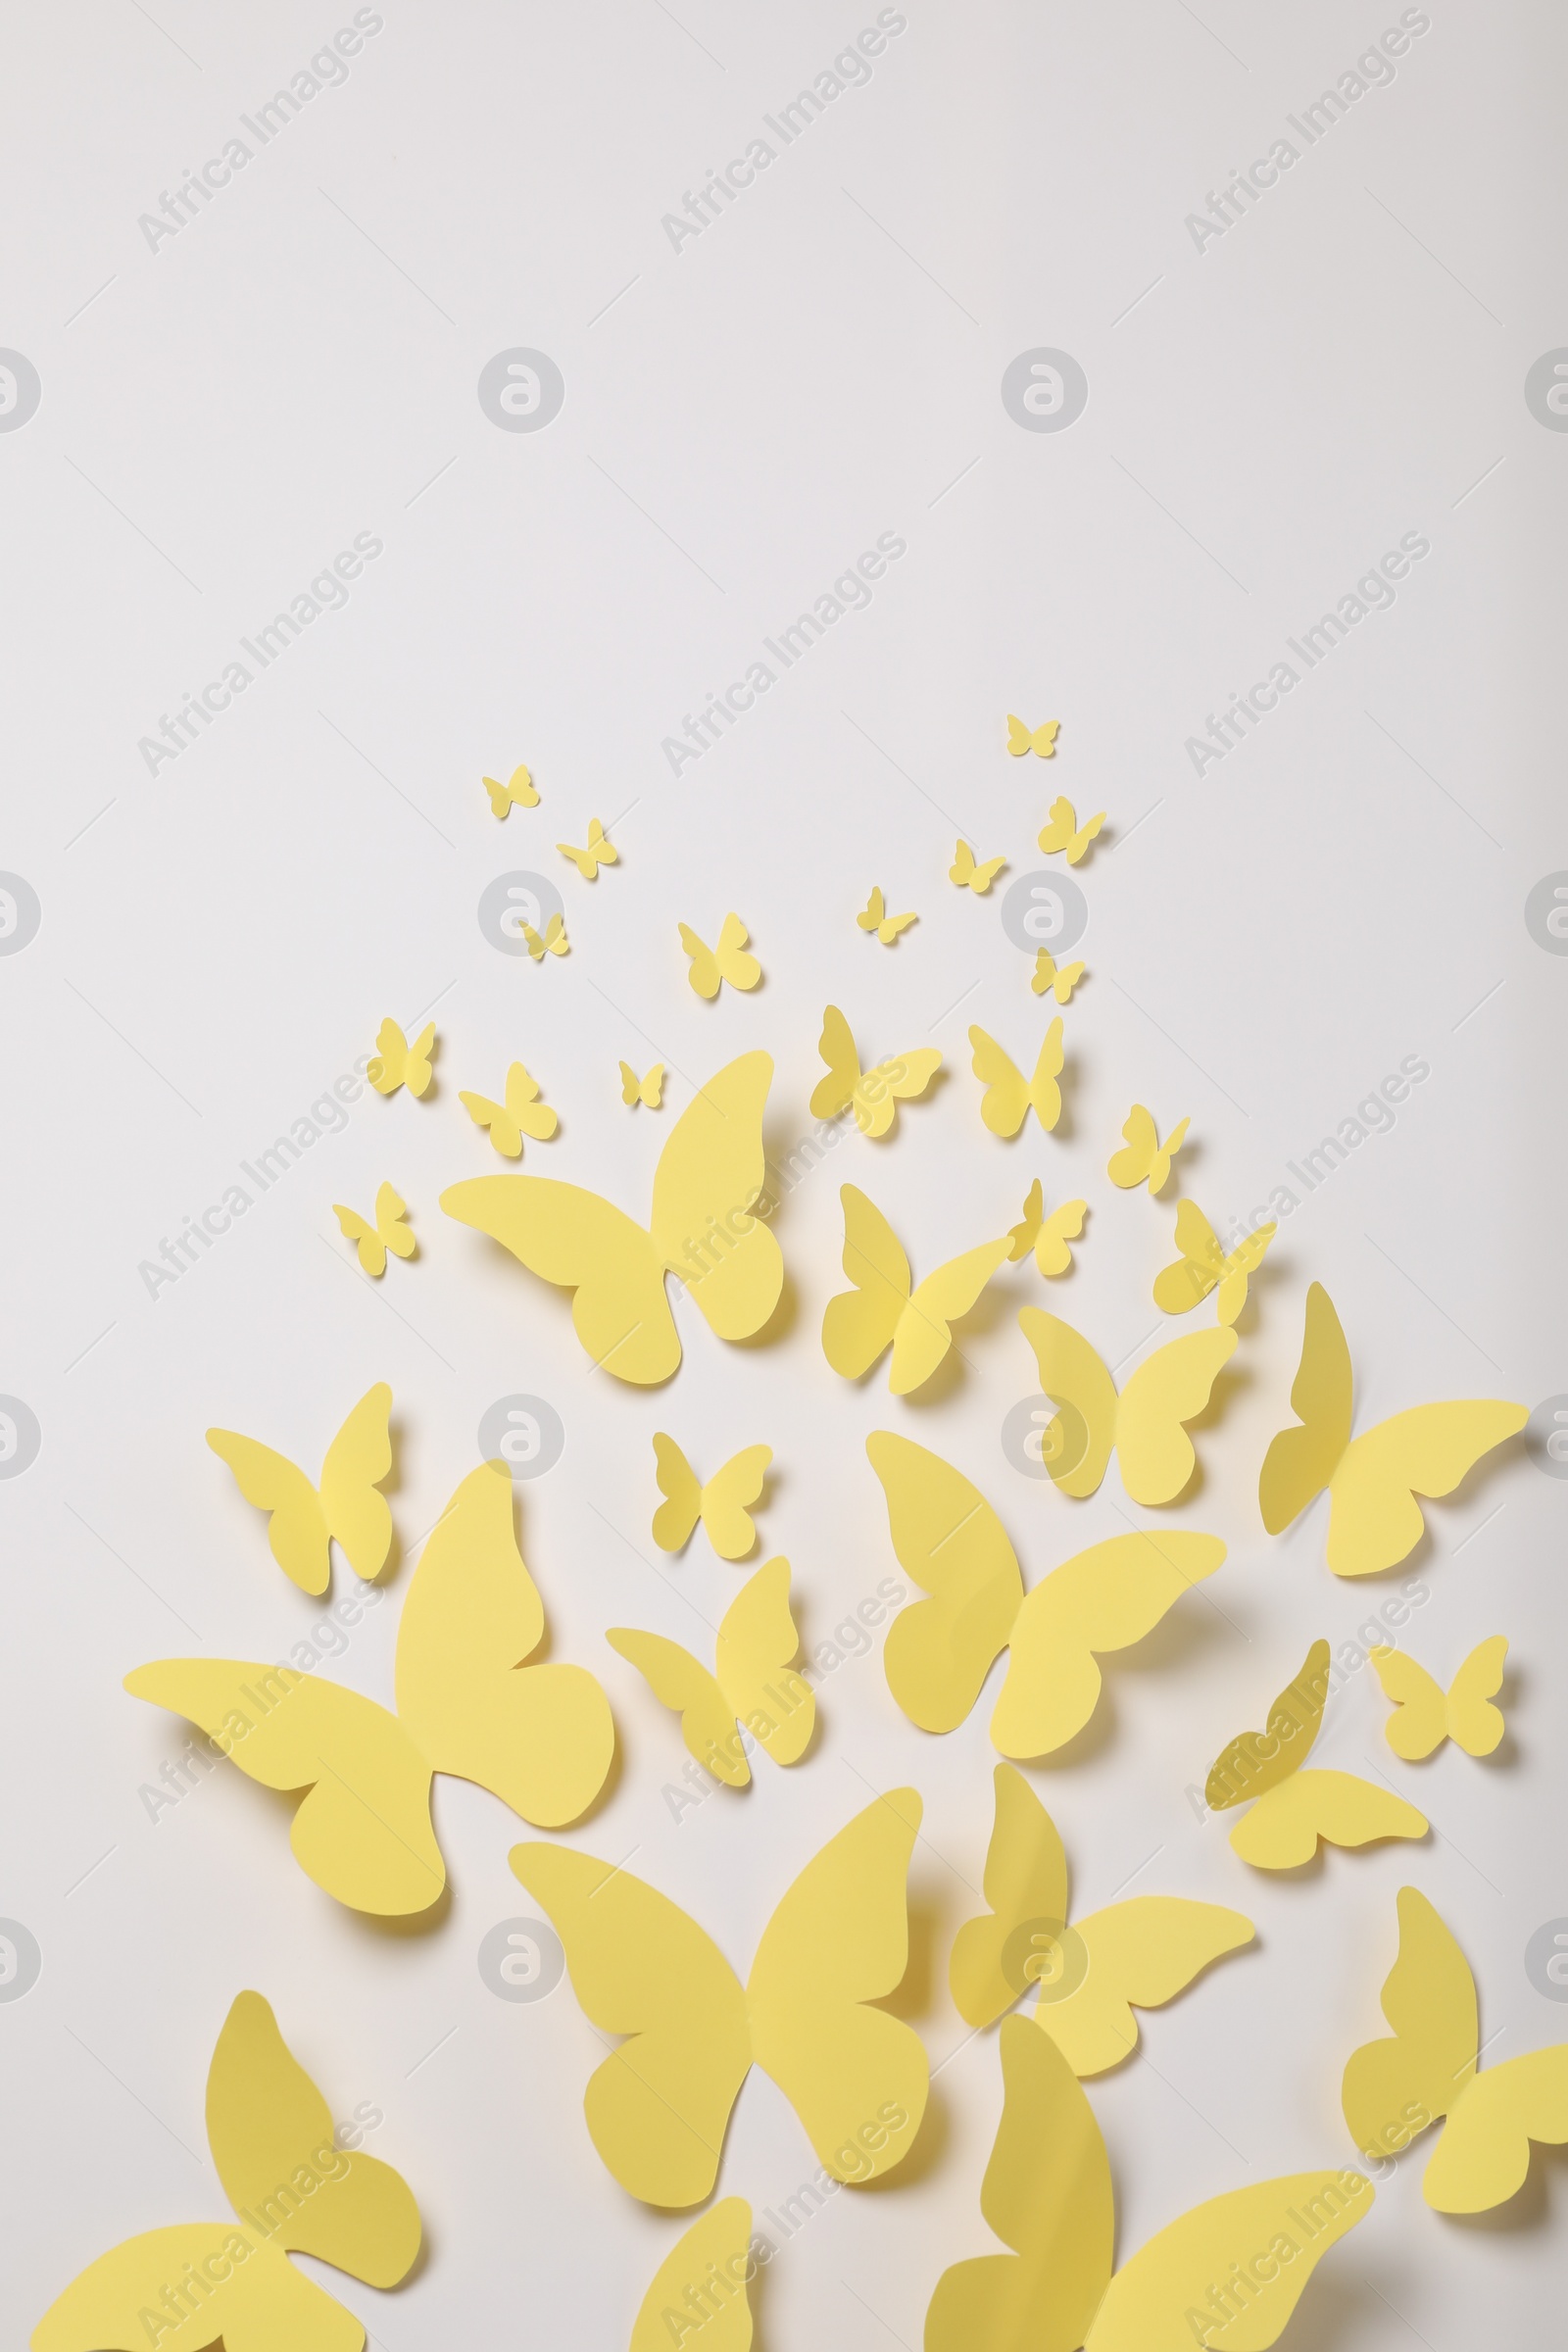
(1088, 1978)
(727, 962)
(1009, 1095)
(939, 1652)
(703, 1230)
(1061, 979)
(1041, 741)
(874, 916)
(882, 1310)
(521, 1114)
(872, 1095)
(968, 874)
(1146, 1155)
(295, 2191)
(1203, 1265)
(1063, 831)
(398, 1063)
(753, 1690)
(1424, 1714)
(658, 2107)
(601, 850)
(518, 792)
(1296, 1808)
(1144, 1424)
(709, 2265)
(551, 940)
(1393, 2089)
(1046, 1236)
(303, 1524)
(723, 1505)
(389, 1232)
(1047, 2194)
(540, 1737)
(648, 1091)
(1374, 1518)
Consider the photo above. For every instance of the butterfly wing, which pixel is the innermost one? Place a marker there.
(500, 797)
(495, 1116)
(1167, 1151)
(416, 1073)
(888, 931)
(1083, 837)
(1419, 1723)
(297, 1526)
(711, 1172)
(859, 1324)
(1201, 1265)
(836, 1045)
(951, 1543)
(1284, 1826)
(1057, 830)
(555, 939)
(653, 1086)
(1169, 1389)
(1299, 1462)
(1472, 1721)
(1019, 737)
(1374, 1518)
(907, 1075)
(717, 2247)
(1022, 1236)
(1075, 1379)
(1128, 1168)
(704, 973)
(118, 2299)
(962, 868)
(366, 1238)
(1007, 1095)
(923, 1334)
(1044, 1093)
(358, 1459)
(385, 1071)
(1026, 1885)
(630, 1084)
(981, 879)
(528, 1115)
(677, 1515)
(1425, 2067)
(583, 1244)
(1483, 2153)
(583, 859)
(1257, 1761)
(1141, 1954)
(758, 1642)
(1063, 1225)
(727, 1500)
(872, 913)
(683, 1684)
(740, 969)
(391, 1222)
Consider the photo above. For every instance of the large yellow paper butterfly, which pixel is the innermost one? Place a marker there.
(705, 2270)
(708, 1181)
(389, 1232)
(518, 792)
(294, 2190)
(1204, 1266)
(874, 916)
(551, 940)
(872, 1095)
(521, 1114)
(1393, 2089)
(1009, 1095)
(882, 1310)
(727, 962)
(1088, 1978)
(1064, 832)
(396, 1063)
(1041, 741)
(303, 1523)
(1230, 2272)
(540, 1737)
(601, 850)
(658, 2106)
(1296, 1808)
(1061, 979)
(1145, 1157)
(1424, 1714)
(1374, 1518)
(1144, 1424)
(1046, 1236)
(723, 1505)
(939, 1652)
(648, 1091)
(970, 874)
(753, 1692)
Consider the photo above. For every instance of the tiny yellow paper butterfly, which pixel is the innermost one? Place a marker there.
(1041, 741)
(1145, 1157)
(1009, 1095)
(553, 940)
(518, 792)
(522, 1114)
(1063, 831)
(727, 962)
(1046, 1236)
(601, 850)
(725, 1504)
(1203, 1265)
(389, 1232)
(753, 1690)
(872, 1095)
(874, 916)
(1061, 979)
(968, 874)
(398, 1063)
(1424, 1714)
(648, 1091)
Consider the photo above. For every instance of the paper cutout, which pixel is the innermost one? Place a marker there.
(294, 2190)
(552, 941)
(1088, 1978)
(1063, 831)
(1296, 1808)
(939, 1652)
(1047, 2194)
(396, 1062)
(883, 1312)
(872, 1095)
(1144, 1424)
(303, 1523)
(1424, 1714)
(1046, 1236)
(1374, 1518)
(706, 2271)
(1204, 1266)
(874, 916)
(753, 1692)
(540, 1737)
(727, 962)
(1062, 979)
(1009, 1095)
(658, 2106)
(648, 1091)
(1041, 741)
(389, 1232)
(970, 874)
(710, 1176)
(723, 1505)
(1145, 1157)
(518, 792)
(601, 850)
(1394, 2089)
(522, 1114)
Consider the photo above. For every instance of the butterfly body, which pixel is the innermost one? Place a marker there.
(520, 1113)
(1041, 741)
(874, 916)
(723, 1505)
(551, 940)
(1063, 831)
(1204, 1267)
(872, 1095)
(1143, 1423)
(1009, 1095)
(885, 1310)
(518, 792)
(752, 1688)
(302, 1522)
(729, 961)
(601, 850)
(648, 1091)
(396, 1063)
(1061, 979)
(1146, 1158)
(969, 873)
(1424, 1714)
(390, 1231)
(1049, 1238)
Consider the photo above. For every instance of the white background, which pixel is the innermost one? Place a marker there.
(300, 365)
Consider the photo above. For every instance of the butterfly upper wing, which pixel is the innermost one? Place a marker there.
(1141, 1954)
(259, 2303)
(1052, 1257)
(1057, 830)
(1201, 1265)
(1169, 1389)
(888, 930)
(907, 1075)
(676, 1516)
(1022, 1236)
(1472, 1721)
(758, 1643)
(1241, 1264)
(713, 1169)
(1257, 1761)
(859, 1324)
(1429, 1998)
(684, 1684)
(1284, 1826)
(1007, 1097)
(297, 1526)
(1301, 1462)
(572, 1238)
(718, 2245)
(923, 1334)
(1044, 1091)
(1026, 1885)
(740, 969)
(630, 1083)
(704, 973)
(366, 1238)
(416, 1074)
(502, 1126)
(1128, 1167)
(1072, 1374)
(726, 1498)
(836, 1045)
(1167, 1151)
(1084, 835)
(391, 1210)
(1483, 2153)
(962, 867)
(1374, 1518)
(950, 1540)
(871, 914)
(1019, 737)
(358, 1459)
(1419, 1723)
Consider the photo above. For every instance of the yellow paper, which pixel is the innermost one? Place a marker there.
(648, 1091)
(729, 961)
(874, 1095)
(601, 850)
(1204, 1266)
(303, 1523)
(1041, 741)
(723, 1505)
(1061, 979)
(1145, 1159)
(294, 2192)
(540, 1737)
(1048, 1237)
(710, 1177)
(970, 874)
(1063, 831)
(883, 1312)
(1144, 1424)
(658, 2106)
(753, 1689)
(701, 2283)
(520, 1113)
(396, 1063)
(1424, 1714)
(1374, 1518)
(389, 1232)
(518, 792)
(551, 940)
(1009, 1095)
(874, 916)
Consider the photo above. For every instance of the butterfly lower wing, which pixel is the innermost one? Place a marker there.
(1299, 1462)
(1429, 1998)
(1169, 1389)
(1072, 1375)
(582, 1242)
(951, 1543)
(1472, 1719)
(297, 1526)
(1374, 1518)
(677, 1515)
(1005, 1101)
(726, 1501)
(711, 1172)
(683, 1684)
(1419, 1723)
(715, 2248)
(261, 2302)
(759, 1642)
(358, 1459)
(923, 1333)
(1140, 1955)
(859, 1324)
(1284, 1826)
(1483, 2153)
(1026, 1885)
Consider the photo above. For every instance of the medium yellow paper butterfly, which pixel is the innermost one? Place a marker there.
(389, 1232)
(540, 1737)
(723, 1505)
(1374, 1518)
(1009, 1095)
(1064, 832)
(1046, 1236)
(522, 1114)
(658, 2107)
(939, 1652)
(295, 2191)
(753, 1690)
(303, 1524)
(1144, 1424)
(727, 962)
(551, 940)
(1047, 2194)
(970, 875)
(706, 1185)
(874, 1095)
(1145, 1157)
(874, 916)
(1088, 1979)
(1424, 1714)
(1393, 2089)
(601, 850)
(398, 1063)
(648, 1091)
(883, 1310)
(1061, 979)
(1203, 1265)
(518, 792)
(705, 2270)
(1041, 741)
(1296, 1808)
